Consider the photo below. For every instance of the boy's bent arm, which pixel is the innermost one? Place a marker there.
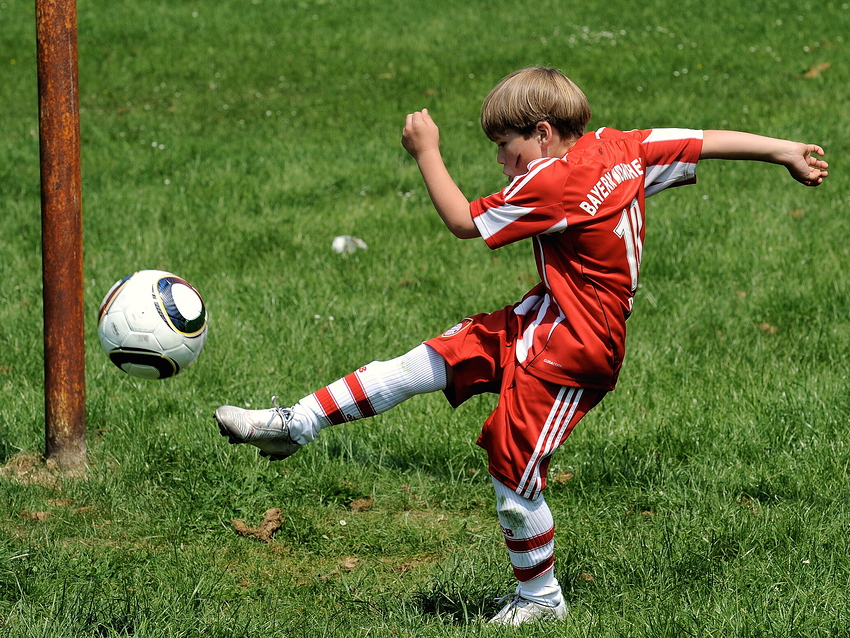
(800, 159)
(450, 202)
(422, 140)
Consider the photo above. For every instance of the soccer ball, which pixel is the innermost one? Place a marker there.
(152, 324)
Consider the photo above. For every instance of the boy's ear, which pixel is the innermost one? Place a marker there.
(543, 133)
(543, 130)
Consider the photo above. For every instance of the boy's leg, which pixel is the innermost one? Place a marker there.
(532, 419)
(370, 390)
(529, 531)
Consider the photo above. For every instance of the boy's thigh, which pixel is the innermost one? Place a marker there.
(478, 350)
(532, 419)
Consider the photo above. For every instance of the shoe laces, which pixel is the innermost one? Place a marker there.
(513, 599)
(285, 414)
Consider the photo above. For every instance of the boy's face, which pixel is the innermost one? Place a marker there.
(516, 151)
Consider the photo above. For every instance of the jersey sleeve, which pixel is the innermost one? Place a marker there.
(670, 156)
(530, 205)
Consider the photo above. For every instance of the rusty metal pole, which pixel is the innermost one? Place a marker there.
(62, 233)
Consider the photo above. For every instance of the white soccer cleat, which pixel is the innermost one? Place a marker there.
(519, 611)
(265, 429)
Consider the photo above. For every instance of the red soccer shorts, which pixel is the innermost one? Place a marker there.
(533, 417)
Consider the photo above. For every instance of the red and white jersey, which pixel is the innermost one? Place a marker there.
(585, 215)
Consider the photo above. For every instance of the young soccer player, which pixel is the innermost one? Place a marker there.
(554, 355)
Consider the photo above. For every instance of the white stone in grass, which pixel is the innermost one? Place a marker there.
(346, 244)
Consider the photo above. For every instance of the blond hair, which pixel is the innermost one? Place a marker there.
(531, 95)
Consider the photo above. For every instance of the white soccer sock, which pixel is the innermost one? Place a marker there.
(371, 390)
(529, 532)
(544, 589)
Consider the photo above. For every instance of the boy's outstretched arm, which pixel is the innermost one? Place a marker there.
(800, 159)
(421, 138)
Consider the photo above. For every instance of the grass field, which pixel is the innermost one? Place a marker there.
(230, 141)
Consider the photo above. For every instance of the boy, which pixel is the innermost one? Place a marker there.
(555, 354)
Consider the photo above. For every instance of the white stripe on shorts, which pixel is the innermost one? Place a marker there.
(556, 425)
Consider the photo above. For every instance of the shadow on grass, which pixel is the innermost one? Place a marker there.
(452, 463)
(457, 595)
(457, 606)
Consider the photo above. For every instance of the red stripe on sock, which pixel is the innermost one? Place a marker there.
(358, 393)
(329, 406)
(527, 573)
(529, 544)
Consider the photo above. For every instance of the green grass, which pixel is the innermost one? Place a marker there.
(230, 142)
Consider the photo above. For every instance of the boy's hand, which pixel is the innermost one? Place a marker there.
(420, 134)
(421, 138)
(805, 167)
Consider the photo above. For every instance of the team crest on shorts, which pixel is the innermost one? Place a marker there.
(457, 328)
